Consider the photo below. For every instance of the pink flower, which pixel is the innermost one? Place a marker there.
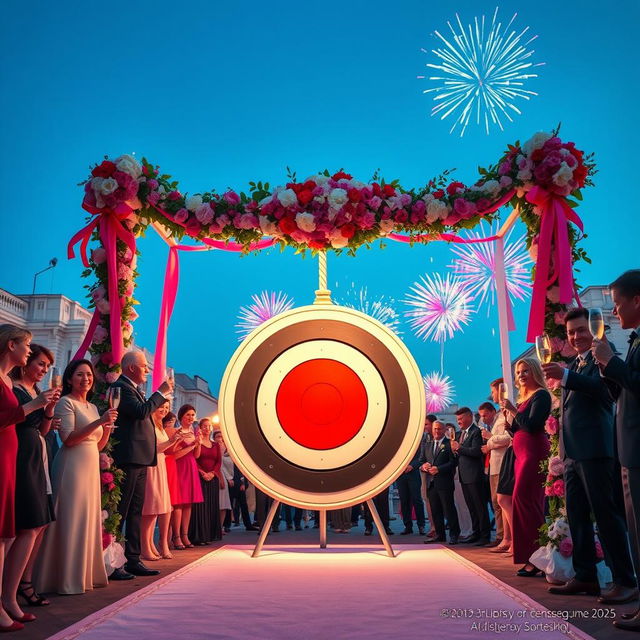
(98, 293)
(107, 539)
(401, 216)
(100, 334)
(599, 551)
(128, 291)
(551, 426)
(558, 318)
(375, 203)
(111, 486)
(106, 477)
(548, 490)
(133, 314)
(99, 255)
(246, 221)
(152, 183)
(558, 488)
(556, 466)
(232, 197)
(124, 272)
(181, 215)
(193, 227)
(204, 214)
(174, 195)
(566, 548)
(111, 376)
(505, 181)
(505, 168)
(153, 198)
(105, 461)
(103, 306)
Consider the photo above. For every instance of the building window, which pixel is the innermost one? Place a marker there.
(40, 305)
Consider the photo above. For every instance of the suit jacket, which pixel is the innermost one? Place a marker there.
(446, 462)
(627, 376)
(586, 419)
(470, 456)
(136, 434)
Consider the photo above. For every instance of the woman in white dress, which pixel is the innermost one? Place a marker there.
(227, 474)
(71, 560)
(157, 500)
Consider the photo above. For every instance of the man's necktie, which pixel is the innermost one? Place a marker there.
(463, 436)
(435, 446)
(632, 338)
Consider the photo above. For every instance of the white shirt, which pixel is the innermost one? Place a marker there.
(582, 357)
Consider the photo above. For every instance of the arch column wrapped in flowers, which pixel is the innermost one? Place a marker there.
(541, 178)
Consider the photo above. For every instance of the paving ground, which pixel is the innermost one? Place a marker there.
(65, 610)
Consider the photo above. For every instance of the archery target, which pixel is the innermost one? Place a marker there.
(322, 407)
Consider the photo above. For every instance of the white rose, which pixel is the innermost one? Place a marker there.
(266, 200)
(492, 187)
(386, 225)
(318, 179)
(161, 189)
(287, 197)
(193, 202)
(107, 186)
(337, 198)
(306, 222)
(562, 176)
(535, 142)
(436, 210)
(524, 175)
(267, 227)
(105, 515)
(129, 165)
(428, 197)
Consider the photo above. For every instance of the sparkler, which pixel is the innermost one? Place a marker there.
(484, 70)
(265, 305)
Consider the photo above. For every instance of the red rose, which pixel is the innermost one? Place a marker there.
(438, 194)
(377, 191)
(287, 225)
(354, 195)
(310, 185)
(104, 170)
(341, 175)
(193, 227)
(317, 244)
(348, 230)
(580, 174)
(453, 187)
(537, 155)
(388, 191)
(305, 196)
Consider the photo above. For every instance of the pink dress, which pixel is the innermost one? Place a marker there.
(188, 476)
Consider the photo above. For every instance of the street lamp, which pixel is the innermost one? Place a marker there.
(52, 263)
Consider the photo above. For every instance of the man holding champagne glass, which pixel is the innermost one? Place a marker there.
(134, 452)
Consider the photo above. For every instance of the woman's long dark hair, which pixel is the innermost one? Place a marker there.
(68, 373)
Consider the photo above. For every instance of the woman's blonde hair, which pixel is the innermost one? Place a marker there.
(8, 333)
(536, 374)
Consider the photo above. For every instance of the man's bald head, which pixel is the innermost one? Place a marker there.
(134, 366)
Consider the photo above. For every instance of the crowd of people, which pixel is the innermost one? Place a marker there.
(179, 480)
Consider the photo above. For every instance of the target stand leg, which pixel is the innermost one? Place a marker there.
(265, 528)
(380, 528)
(323, 528)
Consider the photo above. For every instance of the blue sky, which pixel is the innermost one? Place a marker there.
(220, 94)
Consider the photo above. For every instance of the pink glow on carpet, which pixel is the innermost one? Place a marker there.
(336, 593)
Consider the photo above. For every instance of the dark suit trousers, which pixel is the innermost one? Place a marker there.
(443, 505)
(239, 505)
(631, 492)
(292, 515)
(409, 491)
(474, 496)
(589, 487)
(381, 502)
(130, 508)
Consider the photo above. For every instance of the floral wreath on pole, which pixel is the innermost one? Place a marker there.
(542, 178)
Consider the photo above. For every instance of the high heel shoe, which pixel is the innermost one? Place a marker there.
(188, 544)
(178, 547)
(14, 626)
(29, 595)
(529, 573)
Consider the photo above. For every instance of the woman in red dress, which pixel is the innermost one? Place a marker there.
(531, 447)
(14, 352)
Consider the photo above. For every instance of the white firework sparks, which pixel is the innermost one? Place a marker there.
(439, 307)
(438, 390)
(380, 308)
(475, 266)
(265, 305)
(485, 69)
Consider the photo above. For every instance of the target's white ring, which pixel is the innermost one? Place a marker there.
(330, 458)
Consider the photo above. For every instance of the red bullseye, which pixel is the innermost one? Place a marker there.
(321, 404)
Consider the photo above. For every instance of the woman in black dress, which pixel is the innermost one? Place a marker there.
(34, 506)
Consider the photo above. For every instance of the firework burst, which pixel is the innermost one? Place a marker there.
(438, 307)
(265, 305)
(475, 265)
(484, 70)
(438, 390)
(380, 308)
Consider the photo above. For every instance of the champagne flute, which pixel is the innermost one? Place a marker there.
(596, 323)
(543, 348)
(113, 397)
(503, 391)
(56, 378)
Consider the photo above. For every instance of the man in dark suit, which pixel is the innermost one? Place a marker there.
(238, 496)
(439, 463)
(468, 448)
(408, 485)
(134, 452)
(590, 471)
(381, 502)
(625, 292)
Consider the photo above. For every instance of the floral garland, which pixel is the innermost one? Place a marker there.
(111, 482)
(323, 212)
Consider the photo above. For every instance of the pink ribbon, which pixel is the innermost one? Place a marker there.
(554, 238)
(86, 343)
(110, 228)
(171, 280)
